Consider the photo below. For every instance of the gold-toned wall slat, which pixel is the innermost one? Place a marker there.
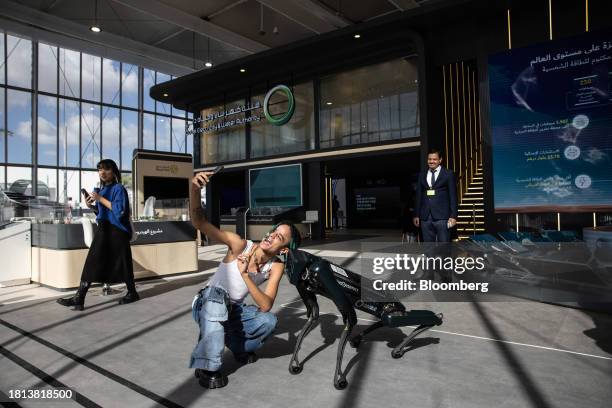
(586, 17)
(550, 29)
(508, 27)
(450, 156)
(458, 119)
(445, 108)
(470, 134)
(464, 144)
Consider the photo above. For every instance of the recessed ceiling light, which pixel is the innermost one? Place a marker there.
(242, 70)
(328, 103)
(165, 94)
(95, 29)
(357, 36)
(208, 64)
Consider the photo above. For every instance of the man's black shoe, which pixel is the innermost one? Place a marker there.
(211, 379)
(245, 358)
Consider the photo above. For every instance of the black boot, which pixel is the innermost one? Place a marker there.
(132, 295)
(211, 379)
(78, 300)
(245, 358)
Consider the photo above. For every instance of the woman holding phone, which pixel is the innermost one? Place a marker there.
(219, 309)
(109, 259)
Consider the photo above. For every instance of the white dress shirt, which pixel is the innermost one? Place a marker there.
(436, 173)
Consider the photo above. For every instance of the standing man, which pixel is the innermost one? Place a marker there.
(335, 209)
(436, 200)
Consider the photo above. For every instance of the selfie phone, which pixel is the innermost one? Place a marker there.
(217, 169)
(84, 192)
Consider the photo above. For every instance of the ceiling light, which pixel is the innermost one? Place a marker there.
(357, 36)
(242, 70)
(165, 94)
(95, 29)
(208, 64)
(328, 103)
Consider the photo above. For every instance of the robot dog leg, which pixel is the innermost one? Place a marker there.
(312, 311)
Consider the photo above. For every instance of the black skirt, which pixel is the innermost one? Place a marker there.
(109, 259)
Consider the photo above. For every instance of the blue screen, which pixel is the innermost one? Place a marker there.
(551, 126)
(276, 186)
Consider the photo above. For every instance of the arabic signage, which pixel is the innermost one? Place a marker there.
(242, 114)
(551, 117)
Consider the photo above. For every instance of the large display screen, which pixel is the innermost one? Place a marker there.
(279, 186)
(164, 188)
(551, 123)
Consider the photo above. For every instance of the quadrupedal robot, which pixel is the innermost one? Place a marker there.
(313, 275)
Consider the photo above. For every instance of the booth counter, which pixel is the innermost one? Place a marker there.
(162, 248)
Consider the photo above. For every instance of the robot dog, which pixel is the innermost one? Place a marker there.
(313, 275)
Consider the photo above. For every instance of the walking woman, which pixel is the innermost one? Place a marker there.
(109, 259)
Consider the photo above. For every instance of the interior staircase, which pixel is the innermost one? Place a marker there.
(471, 207)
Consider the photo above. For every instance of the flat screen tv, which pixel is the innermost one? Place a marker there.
(279, 186)
(163, 188)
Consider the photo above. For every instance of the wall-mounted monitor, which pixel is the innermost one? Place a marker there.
(279, 186)
(551, 121)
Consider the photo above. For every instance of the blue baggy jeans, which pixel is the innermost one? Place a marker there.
(243, 328)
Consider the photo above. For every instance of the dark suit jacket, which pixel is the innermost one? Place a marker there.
(442, 205)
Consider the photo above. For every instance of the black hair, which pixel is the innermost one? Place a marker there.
(296, 238)
(108, 164)
(435, 151)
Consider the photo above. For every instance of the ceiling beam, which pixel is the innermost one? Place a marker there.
(314, 7)
(300, 13)
(53, 24)
(403, 5)
(190, 22)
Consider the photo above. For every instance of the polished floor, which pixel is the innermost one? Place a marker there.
(503, 354)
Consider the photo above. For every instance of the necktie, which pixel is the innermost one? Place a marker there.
(433, 177)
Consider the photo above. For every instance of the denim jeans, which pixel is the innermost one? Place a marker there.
(243, 328)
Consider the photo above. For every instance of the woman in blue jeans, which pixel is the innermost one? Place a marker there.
(219, 309)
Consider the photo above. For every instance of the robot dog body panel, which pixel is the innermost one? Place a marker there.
(313, 275)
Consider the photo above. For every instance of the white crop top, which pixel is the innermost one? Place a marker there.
(228, 277)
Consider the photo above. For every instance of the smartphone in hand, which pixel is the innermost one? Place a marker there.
(217, 169)
(85, 193)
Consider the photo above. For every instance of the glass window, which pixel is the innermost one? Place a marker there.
(69, 186)
(19, 180)
(178, 135)
(70, 73)
(69, 118)
(296, 135)
(47, 183)
(163, 107)
(126, 180)
(222, 145)
(90, 135)
(89, 180)
(2, 129)
(19, 129)
(47, 68)
(148, 131)
(129, 83)
(111, 75)
(110, 134)
(190, 143)
(129, 137)
(162, 133)
(370, 104)
(47, 130)
(2, 64)
(19, 61)
(91, 77)
(148, 81)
